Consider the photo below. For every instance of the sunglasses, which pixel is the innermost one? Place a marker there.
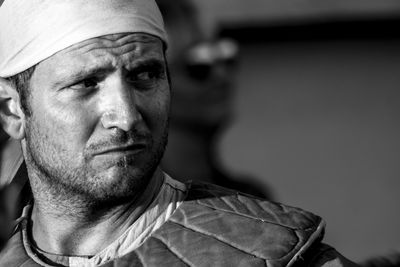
(202, 58)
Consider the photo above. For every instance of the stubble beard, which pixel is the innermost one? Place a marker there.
(72, 188)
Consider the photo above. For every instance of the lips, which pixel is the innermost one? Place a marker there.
(121, 150)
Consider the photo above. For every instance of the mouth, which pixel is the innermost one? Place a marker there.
(122, 150)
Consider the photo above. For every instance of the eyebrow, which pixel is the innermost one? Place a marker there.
(99, 70)
(65, 77)
(148, 63)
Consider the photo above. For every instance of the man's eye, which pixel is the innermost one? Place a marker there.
(145, 76)
(146, 79)
(84, 84)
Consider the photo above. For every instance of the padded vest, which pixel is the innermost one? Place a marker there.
(215, 227)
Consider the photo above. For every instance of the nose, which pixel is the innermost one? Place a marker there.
(119, 106)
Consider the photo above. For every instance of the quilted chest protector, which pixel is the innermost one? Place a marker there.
(215, 227)
(219, 227)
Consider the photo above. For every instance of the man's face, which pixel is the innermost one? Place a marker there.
(99, 117)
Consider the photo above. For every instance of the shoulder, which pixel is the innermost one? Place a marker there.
(230, 202)
(215, 226)
(228, 228)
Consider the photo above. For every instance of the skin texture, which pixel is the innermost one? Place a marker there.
(92, 145)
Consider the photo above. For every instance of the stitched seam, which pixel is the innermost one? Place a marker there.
(176, 188)
(180, 257)
(218, 239)
(308, 244)
(293, 249)
(254, 218)
(240, 197)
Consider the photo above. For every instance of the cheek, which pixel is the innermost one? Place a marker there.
(156, 110)
(70, 124)
(162, 105)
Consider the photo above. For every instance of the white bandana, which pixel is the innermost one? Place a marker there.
(33, 30)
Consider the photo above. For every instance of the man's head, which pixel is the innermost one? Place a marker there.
(94, 116)
(201, 68)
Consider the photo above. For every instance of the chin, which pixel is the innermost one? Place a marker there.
(118, 185)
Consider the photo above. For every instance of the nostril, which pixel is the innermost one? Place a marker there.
(108, 119)
(122, 119)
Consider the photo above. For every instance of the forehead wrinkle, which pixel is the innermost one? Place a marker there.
(106, 53)
(114, 41)
(127, 56)
(125, 49)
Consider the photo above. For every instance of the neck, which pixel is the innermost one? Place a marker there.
(190, 155)
(90, 231)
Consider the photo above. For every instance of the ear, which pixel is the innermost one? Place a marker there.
(12, 118)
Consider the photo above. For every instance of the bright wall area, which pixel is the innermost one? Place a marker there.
(320, 123)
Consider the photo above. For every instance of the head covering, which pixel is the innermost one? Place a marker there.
(33, 30)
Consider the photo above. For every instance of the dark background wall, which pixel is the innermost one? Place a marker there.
(318, 111)
(318, 120)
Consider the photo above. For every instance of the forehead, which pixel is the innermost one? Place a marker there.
(106, 52)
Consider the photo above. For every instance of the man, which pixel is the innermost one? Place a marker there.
(85, 89)
(202, 68)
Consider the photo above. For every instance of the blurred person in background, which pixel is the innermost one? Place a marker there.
(202, 70)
